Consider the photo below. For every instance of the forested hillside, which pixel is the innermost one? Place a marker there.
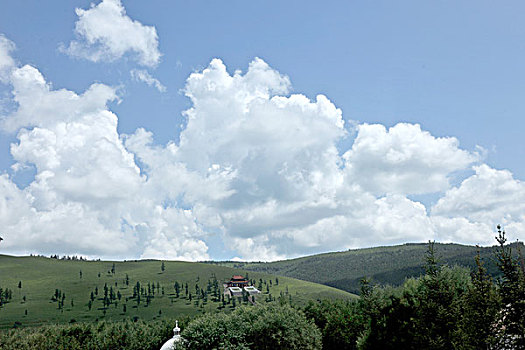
(445, 308)
(38, 290)
(383, 265)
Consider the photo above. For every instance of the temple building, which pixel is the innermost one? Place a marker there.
(238, 281)
(237, 284)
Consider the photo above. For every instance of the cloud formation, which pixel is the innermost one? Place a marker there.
(6, 60)
(88, 195)
(285, 189)
(404, 159)
(143, 76)
(482, 201)
(105, 33)
(255, 165)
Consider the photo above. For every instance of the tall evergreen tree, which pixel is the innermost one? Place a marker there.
(512, 293)
(439, 303)
(480, 307)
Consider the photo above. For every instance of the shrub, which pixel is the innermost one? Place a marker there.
(258, 327)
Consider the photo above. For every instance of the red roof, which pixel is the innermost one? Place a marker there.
(237, 277)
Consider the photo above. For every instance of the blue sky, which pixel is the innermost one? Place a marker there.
(456, 69)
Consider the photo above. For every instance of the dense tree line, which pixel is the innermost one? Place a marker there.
(127, 335)
(66, 257)
(447, 308)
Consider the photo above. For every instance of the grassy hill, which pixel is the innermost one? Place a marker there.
(385, 265)
(41, 280)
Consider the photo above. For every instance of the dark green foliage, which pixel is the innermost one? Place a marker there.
(392, 317)
(431, 266)
(438, 300)
(423, 313)
(480, 307)
(512, 293)
(341, 322)
(447, 308)
(440, 297)
(262, 327)
(126, 335)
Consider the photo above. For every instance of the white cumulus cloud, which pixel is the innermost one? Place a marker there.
(473, 209)
(106, 33)
(404, 159)
(281, 149)
(88, 195)
(255, 164)
(37, 101)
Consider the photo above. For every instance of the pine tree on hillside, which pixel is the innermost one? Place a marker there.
(177, 288)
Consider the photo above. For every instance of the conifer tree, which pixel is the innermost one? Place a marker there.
(479, 309)
(177, 288)
(512, 293)
(438, 311)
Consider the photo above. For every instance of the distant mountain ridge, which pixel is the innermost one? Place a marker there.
(384, 265)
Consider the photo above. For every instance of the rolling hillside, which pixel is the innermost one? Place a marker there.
(384, 265)
(59, 291)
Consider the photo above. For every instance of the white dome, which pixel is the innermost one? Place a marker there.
(169, 345)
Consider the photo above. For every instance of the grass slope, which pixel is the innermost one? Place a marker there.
(40, 277)
(385, 265)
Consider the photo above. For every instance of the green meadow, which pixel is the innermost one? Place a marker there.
(45, 290)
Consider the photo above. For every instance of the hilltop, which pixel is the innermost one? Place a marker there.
(59, 291)
(383, 265)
